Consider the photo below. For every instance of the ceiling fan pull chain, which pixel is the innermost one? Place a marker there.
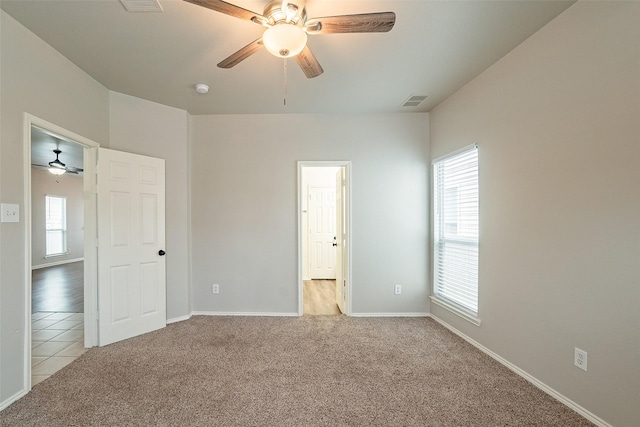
(284, 82)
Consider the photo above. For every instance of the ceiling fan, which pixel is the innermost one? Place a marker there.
(287, 28)
(56, 167)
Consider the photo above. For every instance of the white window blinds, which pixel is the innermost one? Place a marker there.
(456, 220)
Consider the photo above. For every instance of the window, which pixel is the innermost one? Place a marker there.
(456, 223)
(56, 225)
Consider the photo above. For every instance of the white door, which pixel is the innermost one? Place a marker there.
(131, 243)
(341, 248)
(322, 231)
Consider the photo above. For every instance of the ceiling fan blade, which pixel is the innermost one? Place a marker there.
(242, 54)
(68, 169)
(309, 64)
(230, 9)
(363, 23)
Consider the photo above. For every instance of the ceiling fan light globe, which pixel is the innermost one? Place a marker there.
(56, 171)
(284, 40)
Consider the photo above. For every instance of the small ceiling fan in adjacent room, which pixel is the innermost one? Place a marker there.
(287, 28)
(56, 167)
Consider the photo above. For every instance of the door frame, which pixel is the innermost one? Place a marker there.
(347, 168)
(90, 149)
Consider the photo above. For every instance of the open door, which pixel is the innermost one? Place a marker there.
(131, 243)
(341, 241)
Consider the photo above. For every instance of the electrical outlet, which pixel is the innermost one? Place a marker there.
(580, 359)
(397, 289)
(215, 288)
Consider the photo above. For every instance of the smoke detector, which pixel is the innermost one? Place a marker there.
(202, 88)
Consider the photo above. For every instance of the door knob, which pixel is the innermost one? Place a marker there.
(161, 252)
(335, 244)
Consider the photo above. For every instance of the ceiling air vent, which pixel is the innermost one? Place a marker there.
(142, 5)
(414, 100)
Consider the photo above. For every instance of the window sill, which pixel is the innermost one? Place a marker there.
(56, 255)
(455, 310)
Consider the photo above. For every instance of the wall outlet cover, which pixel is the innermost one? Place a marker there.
(580, 359)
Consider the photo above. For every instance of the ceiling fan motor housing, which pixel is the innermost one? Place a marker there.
(294, 12)
(57, 163)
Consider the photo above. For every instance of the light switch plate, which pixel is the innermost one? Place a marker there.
(10, 212)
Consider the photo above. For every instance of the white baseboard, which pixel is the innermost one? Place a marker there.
(51, 264)
(179, 319)
(239, 313)
(271, 314)
(533, 380)
(389, 314)
(5, 404)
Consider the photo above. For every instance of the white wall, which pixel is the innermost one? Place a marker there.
(144, 127)
(35, 79)
(69, 186)
(557, 123)
(244, 225)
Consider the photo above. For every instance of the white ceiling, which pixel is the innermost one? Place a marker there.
(434, 49)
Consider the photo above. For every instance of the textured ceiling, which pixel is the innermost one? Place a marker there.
(434, 49)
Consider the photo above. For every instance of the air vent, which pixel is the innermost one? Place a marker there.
(142, 5)
(414, 100)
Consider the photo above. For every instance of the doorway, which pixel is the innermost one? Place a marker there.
(57, 253)
(60, 267)
(131, 206)
(324, 237)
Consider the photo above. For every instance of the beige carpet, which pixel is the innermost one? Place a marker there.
(308, 371)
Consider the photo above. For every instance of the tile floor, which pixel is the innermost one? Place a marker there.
(57, 339)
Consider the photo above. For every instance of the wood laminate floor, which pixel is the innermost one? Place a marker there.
(319, 297)
(58, 289)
